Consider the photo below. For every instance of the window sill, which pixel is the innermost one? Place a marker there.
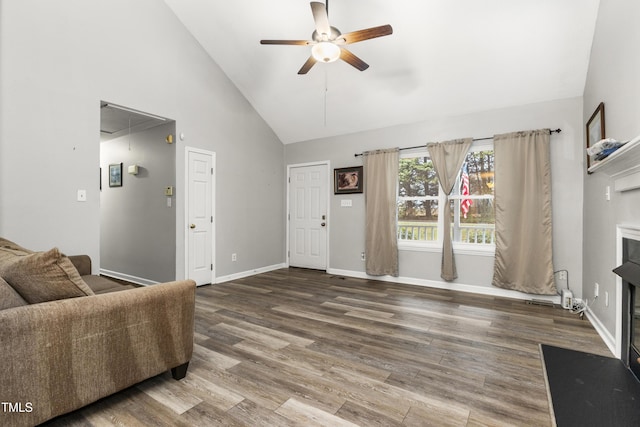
(458, 248)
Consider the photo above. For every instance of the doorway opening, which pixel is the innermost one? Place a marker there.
(137, 195)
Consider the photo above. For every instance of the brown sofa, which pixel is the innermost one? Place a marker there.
(68, 338)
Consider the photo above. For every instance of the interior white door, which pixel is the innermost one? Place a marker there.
(308, 221)
(200, 174)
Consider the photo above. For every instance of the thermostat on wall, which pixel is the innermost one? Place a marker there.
(133, 169)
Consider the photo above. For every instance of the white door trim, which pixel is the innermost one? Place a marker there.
(188, 150)
(326, 163)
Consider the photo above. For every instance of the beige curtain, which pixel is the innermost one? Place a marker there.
(381, 187)
(447, 158)
(523, 213)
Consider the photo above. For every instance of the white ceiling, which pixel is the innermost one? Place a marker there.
(444, 58)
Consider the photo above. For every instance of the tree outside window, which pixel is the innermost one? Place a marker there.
(420, 200)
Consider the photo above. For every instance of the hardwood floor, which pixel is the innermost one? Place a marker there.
(301, 347)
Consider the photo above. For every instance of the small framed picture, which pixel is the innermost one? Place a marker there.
(595, 129)
(348, 180)
(115, 175)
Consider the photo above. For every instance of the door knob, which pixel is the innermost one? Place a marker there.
(323, 224)
(192, 226)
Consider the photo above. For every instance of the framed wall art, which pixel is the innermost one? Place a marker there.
(348, 180)
(595, 129)
(115, 175)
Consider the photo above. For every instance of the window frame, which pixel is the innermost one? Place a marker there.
(481, 249)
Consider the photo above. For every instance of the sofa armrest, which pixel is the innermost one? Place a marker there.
(82, 263)
(62, 355)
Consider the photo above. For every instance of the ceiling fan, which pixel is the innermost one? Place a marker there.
(328, 42)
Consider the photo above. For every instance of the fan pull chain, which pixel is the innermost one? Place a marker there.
(326, 89)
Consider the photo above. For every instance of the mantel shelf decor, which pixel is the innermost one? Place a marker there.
(623, 165)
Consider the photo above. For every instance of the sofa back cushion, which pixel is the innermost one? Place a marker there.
(9, 298)
(44, 276)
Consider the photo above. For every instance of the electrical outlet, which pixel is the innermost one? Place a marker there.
(362, 256)
(234, 257)
(562, 275)
(596, 290)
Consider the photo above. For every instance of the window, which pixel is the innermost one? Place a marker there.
(420, 200)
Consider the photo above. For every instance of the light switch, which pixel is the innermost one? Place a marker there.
(346, 203)
(82, 195)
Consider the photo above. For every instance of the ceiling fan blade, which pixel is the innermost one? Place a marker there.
(288, 42)
(307, 65)
(320, 17)
(369, 33)
(353, 60)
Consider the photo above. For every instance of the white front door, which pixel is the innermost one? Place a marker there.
(308, 221)
(199, 201)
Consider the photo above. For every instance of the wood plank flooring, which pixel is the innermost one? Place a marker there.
(302, 347)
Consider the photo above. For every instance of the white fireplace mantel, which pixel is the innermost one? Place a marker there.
(623, 165)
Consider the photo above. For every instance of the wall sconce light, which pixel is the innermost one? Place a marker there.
(133, 170)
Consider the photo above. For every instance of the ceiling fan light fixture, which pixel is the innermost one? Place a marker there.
(327, 41)
(325, 52)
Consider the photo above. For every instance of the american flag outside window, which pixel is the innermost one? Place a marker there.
(465, 204)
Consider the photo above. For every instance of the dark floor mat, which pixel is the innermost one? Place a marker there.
(590, 390)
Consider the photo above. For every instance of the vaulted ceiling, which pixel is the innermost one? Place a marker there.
(444, 58)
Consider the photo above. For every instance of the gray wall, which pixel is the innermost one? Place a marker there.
(613, 78)
(58, 60)
(137, 227)
(346, 224)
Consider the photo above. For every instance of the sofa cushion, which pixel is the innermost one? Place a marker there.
(82, 263)
(9, 298)
(102, 285)
(44, 276)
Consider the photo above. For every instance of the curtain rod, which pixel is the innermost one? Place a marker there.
(474, 139)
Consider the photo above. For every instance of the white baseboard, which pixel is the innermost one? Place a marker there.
(483, 290)
(606, 336)
(240, 275)
(129, 278)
